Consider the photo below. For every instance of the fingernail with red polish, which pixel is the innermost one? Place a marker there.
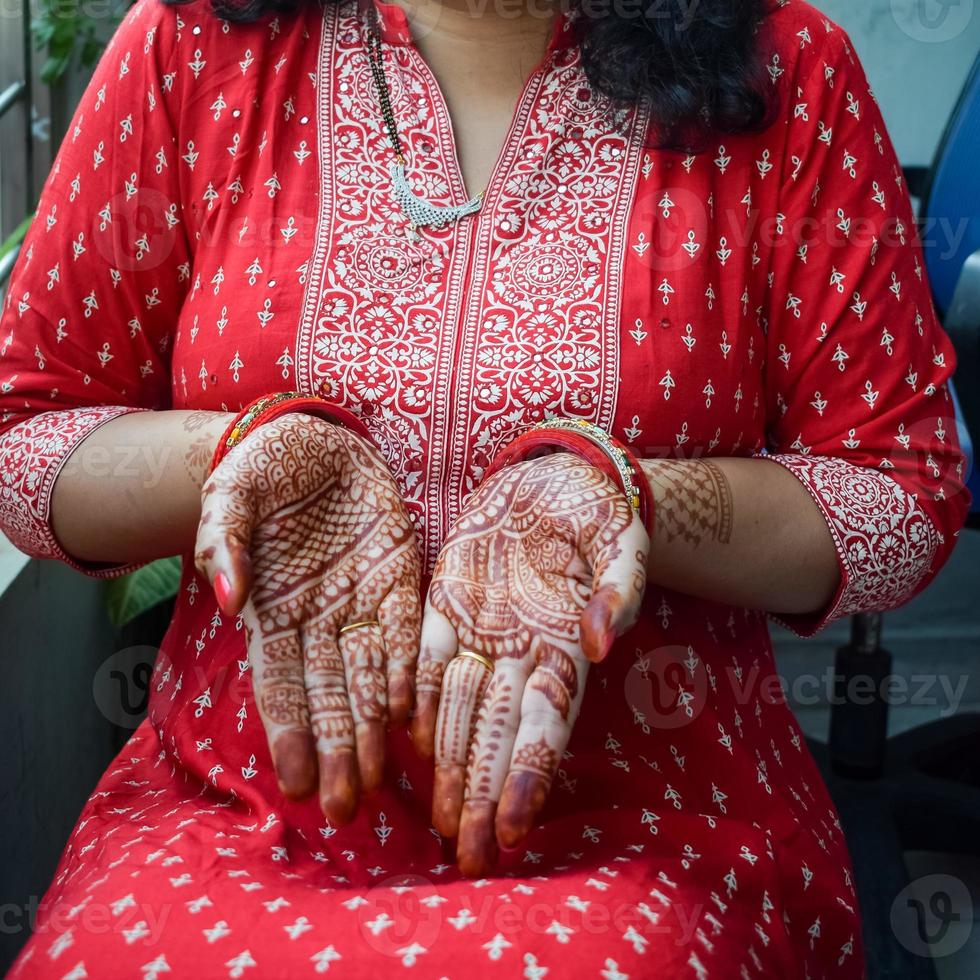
(608, 639)
(222, 589)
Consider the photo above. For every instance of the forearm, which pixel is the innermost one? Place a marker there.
(131, 491)
(739, 531)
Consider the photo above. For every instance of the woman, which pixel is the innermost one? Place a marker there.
(694, 236)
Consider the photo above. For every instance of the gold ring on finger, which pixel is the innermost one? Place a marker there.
(478, 657)
(358, 625)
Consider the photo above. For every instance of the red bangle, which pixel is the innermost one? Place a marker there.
(593, 445)
(528, 445)
(275, 405)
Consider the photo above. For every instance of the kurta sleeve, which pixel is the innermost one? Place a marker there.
(858, 406)
(91, 305)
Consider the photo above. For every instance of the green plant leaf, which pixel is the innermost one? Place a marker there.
(43, 31)
(15, 237)
(70, 33)
(53, 68)
(91, 49)
(132, 595)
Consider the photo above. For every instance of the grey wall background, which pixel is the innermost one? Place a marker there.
(917, 54)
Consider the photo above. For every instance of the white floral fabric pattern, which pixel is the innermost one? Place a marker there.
(533, 281)
(31, 456)
(886, 543)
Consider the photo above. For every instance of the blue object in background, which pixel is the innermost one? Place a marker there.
(950, 226)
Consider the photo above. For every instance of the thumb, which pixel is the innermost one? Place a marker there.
(619, 579)
(223, 536)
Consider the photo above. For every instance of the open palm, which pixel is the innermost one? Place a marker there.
(306, 525)
(543, 569)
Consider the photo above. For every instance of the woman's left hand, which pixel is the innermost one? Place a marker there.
(544, 568)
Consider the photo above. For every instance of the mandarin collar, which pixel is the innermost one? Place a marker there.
(395, 28)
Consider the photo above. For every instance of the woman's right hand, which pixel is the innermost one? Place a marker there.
(303, 531)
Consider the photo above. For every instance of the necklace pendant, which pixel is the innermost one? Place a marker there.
(422, 213)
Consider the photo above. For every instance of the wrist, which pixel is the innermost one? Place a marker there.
(595, 446)
(276, 405)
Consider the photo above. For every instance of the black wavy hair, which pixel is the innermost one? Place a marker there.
(696, 63)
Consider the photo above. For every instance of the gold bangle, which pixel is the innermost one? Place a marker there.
(244, 424)
(478, 657)
(599, 437)
(358, 625)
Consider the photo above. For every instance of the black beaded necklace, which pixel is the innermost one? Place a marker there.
(419, 211)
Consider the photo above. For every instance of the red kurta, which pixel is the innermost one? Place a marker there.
(220, 223)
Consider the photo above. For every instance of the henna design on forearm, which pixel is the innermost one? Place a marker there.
(197, 456)
(196, 420)
(693, 500)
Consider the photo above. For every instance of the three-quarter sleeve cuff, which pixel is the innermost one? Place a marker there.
(32, 454)
(885, 541)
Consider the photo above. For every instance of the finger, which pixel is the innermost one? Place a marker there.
(280, 693)
(489, 759)
(438, 645)
(331, 720)
(363, 653)
(223, 537)
(619, 579)
(463, 686)
(400, 616)
(549, 707)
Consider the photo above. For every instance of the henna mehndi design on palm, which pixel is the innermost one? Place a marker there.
(306, 526)
(545, 566)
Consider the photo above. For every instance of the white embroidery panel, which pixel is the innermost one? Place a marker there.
(532, 282)
(542, 331)
(371, 336)
(885, 541)
(32, 454)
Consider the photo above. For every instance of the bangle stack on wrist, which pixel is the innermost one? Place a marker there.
(592, 443)
(275, 405)
(584, 439)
